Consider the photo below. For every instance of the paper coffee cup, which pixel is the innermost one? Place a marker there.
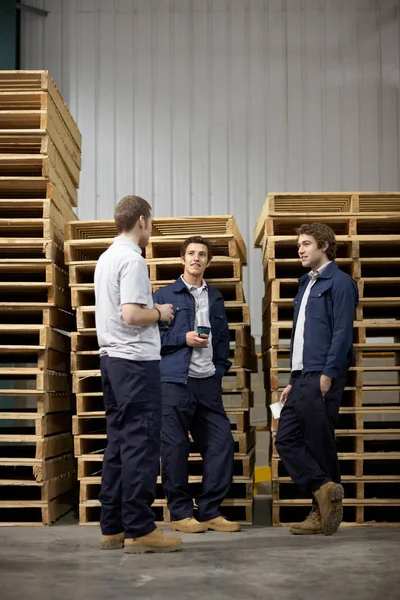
(276, 409)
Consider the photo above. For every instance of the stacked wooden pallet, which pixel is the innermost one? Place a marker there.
(367, 226)
(85, 241)
(39, 173)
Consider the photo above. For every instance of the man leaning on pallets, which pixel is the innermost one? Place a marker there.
(321, 351)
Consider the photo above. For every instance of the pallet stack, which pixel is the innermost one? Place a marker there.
(367, 226)
(39, 174)
(85, 241)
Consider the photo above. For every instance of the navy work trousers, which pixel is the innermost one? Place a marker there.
(196, 407)
(132, 400)
(306, 433)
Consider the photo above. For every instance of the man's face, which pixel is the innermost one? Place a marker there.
(310, 255)
(145, 230)
(195, 260)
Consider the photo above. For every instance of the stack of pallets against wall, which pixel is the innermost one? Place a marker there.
(39, 174)
(85, 241)
(367, 226)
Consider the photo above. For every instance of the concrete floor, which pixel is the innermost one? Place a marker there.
(63, 563)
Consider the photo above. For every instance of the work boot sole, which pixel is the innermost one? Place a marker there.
(198, 529)
(298, 531)
(112, 546)
(148, 549)
(332, 521)
(222, 530)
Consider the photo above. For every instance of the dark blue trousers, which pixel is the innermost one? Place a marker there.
(306, 433)
(196, 407)
(132, 399)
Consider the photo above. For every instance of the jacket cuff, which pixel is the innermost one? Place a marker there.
(330, 372)
(181, 339)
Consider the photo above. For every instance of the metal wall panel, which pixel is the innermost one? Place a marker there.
(203, 106)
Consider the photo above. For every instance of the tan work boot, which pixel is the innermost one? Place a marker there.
(311, 525)
(155, 541)
(189, 525)
(222, 524)
(329, 498)
(112, 542)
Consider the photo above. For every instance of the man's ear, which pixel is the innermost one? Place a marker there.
(182, 260)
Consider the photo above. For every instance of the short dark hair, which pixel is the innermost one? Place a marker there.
(197, 239)
(129, 210)
(323, 235)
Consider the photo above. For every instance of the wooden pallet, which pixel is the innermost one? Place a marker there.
(35, 404)
(342, 223)
(206, 226)
(36, 424)
(53, 210)
(240, 510)
(242, 487)
(385, 377)
(15, 191)
(168, 269)
(34, 315)
(28, 133)
(31, 228)
(377, 512)
(93, 402)
(354, 247)
(370, 289)
(49, 166)
(88, 443)
(366, 333)
(32, 338)
(39, 81)
(34, 513)
(29, 249)
(239, 337)
(170, 246)
(35, 379)
(236, 379)
(35, 470)
(324, 203)
(82, 294)
(29, 447)
(90, 465)
(218, 228)
(290, 268)
(38, 285)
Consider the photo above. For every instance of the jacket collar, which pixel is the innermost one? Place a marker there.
(179, 286)
(327, 273)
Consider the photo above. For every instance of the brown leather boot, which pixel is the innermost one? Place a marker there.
(112, 542)
(311, 525)
(189, 525)
(155, 541)
(329, 498)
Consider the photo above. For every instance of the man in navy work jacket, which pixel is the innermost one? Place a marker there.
(192, 367)
(128, 336)
(321, 352)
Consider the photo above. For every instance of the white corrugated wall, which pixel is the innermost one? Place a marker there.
(203, 106)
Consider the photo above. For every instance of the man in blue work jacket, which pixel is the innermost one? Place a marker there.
(194, 358)
(321, 352)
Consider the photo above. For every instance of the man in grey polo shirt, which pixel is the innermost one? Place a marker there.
(129, 341)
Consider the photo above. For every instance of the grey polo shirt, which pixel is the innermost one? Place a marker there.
(298, 342)
(201, 362)
(121, 277)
